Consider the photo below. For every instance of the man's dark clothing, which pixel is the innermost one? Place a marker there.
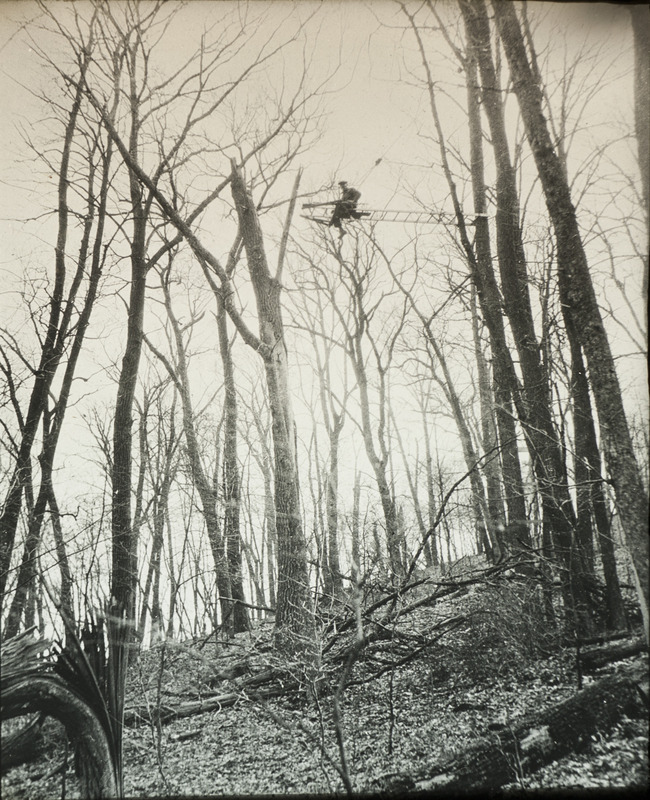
(346, 207)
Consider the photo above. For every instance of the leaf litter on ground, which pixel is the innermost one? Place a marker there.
(393, 725)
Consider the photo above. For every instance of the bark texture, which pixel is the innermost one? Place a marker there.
(540, 739)
(534, 409)
(578, 295)
(231, 482)
(32, 683)
(293, 606)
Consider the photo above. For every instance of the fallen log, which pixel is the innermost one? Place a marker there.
(537, 740)
(597, 656)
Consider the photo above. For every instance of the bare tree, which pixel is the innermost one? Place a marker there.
(61, 317)
(293, 612)
(577, 293)
(437, 366)
(370, 354)
(319, 323)
(161, 461)
(205, 485)
(479, 259)
(641, 29)
(537, 419)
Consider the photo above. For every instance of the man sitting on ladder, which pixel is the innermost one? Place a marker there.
(346, 207)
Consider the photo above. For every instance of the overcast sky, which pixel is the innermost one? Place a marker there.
(376, 132)
(372, 114)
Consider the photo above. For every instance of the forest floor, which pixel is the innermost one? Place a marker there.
(392, 725)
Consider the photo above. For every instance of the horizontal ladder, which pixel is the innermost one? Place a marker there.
(391, 215)
(419, 217)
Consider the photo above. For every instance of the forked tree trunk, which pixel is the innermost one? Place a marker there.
(293, 606)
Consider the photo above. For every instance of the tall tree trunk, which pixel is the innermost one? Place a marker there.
(545, 449)
(27, 570)
(174, 585)
(582, 471)
(231, 482)
(641, 30)
(293, 607)
(489, 442)
(160, 501)
(577, 293)
(67, 606)
(431, 544)
(333, 560)
(357, 567)
(52, 348)
(124, 573)
(270, 532)
(589, 484)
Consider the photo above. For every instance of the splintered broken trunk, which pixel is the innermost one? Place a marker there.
(38, 677)
(539, 739)
(48, 694)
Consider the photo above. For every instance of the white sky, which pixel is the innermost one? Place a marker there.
(377, 113)
(377, 109)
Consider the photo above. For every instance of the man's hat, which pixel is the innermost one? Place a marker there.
(343, 183)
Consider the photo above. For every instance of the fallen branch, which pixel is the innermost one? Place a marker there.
(253, 687)
(593, 657)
